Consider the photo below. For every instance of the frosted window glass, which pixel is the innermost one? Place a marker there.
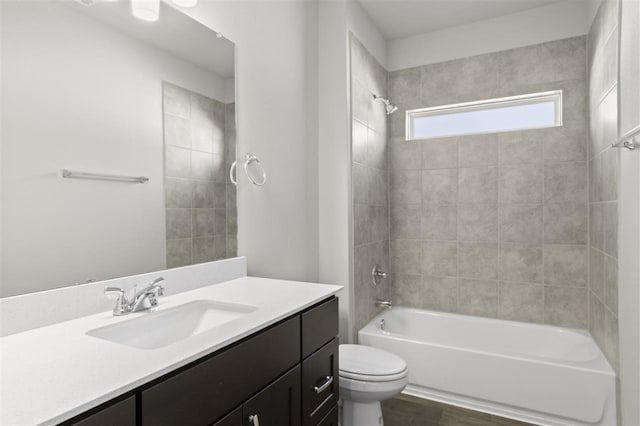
(499, 115)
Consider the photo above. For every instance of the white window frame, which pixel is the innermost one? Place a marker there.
(555, 96)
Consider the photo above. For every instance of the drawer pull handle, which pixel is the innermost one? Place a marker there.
(254, 420)
(327, 382)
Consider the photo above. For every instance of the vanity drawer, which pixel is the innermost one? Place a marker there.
(330, 419)
(276, 405)
(121, 413)
(320, 383)
(319, 325)
(202, 393)
(232, 419)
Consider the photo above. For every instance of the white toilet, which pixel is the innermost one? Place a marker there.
(367, 376)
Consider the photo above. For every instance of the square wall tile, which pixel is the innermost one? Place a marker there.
(596, 320)
(405, 155)
(477, 297)
(478, 150)
(521, 302)
(439, 186)
(178, 253)
(596, 272)
(521, 184)
(478, 185)
(439, 222)
(202, 138)
(177, 193)
(520, 263)
(521, 223)
(566, 143)
(439, 293)
(406, 257)
(359, 152)
(176, 100)
(178, 223)
(478, 222)
(377, 149)
(478, 260)
(461, 79)
(565, 306)
(407, 290)
(405, 84)
(440, 153)
(610, 228)
(611, 284)
(596, 230)
(406, 187)
(177, 131)
(177, 162)
(439, 258)
(566, 265)
(405, 221)
(565, 183)
(522, 147)
(565, 223)
(546, 62)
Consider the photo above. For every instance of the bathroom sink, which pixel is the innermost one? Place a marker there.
(154, 330)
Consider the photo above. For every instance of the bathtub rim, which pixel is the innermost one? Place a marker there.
(599, 365)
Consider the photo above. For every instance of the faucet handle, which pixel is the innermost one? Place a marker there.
(156, 281)
(121, 303)
(110, 291)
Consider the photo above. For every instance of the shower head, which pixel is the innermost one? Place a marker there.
(390, 108)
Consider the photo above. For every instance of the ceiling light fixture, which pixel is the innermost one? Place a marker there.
(147, 10)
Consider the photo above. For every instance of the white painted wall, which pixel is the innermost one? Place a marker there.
(336, 18)
(334, 157)
(85, 97)
(554, 22)
(277, 230)
(629, 214)
(366, 31)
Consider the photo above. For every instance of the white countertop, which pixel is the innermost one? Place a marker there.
(52, 373)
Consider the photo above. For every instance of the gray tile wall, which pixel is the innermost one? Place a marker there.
(603, 192)
(369, 180)
(200, 204)
(493, 225)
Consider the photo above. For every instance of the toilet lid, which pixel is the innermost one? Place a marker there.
(367, 361)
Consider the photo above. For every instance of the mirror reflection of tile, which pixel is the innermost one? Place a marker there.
(200, 201)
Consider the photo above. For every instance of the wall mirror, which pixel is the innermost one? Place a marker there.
(89, 88)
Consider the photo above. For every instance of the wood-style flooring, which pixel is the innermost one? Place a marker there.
(405, 410)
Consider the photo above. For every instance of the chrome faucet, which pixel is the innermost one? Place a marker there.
(142, 300)
(382, 303)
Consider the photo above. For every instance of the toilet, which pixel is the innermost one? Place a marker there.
(367, 376)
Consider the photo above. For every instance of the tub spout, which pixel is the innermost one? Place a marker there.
(383, 303)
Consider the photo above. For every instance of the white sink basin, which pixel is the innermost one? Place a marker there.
(152, 330)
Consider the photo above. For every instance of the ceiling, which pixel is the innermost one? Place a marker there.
(174, 33)
(404, 18)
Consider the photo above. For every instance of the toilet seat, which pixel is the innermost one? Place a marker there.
(365, 363)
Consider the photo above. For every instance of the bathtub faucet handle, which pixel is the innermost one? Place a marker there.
(382, 303)
(377, 274)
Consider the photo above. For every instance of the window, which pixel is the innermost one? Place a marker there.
(534, 111)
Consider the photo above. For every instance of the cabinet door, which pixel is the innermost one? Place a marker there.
(276, 405)
(232, 419)
(121, 413)
(320, 383)
(330, 419)
(203, 393)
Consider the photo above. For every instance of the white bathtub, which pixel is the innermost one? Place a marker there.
(535, 373)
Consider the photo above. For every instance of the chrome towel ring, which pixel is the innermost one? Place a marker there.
(248, 159)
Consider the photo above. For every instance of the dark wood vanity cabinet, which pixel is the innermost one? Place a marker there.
(285, 375)
(118, 413)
